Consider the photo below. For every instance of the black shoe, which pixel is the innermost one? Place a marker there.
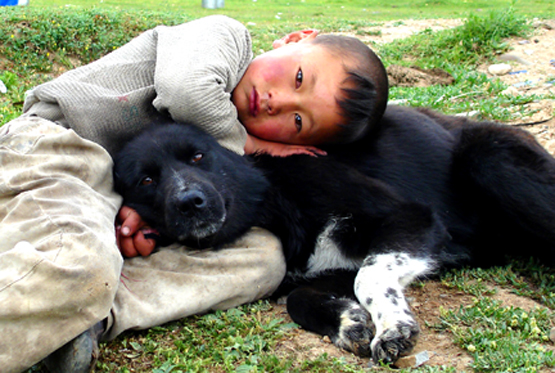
(78, 355)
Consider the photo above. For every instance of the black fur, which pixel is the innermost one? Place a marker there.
(187, 187)
(420, 188)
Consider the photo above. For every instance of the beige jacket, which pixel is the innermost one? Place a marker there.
(187, 71)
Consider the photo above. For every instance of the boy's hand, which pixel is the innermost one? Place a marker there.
(255, 145)
(130, 234)
(295, 37)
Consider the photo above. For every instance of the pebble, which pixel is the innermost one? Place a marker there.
(413, 361)
(398, 102)
(468, 114)
(499, 69)
(523, 84)
(512, 57)
(511, 91)
(552, 335)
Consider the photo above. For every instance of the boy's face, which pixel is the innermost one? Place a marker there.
(289, 94)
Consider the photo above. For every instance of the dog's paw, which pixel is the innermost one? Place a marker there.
(395, 341)
(356, 331)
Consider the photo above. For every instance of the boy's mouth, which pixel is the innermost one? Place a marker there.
(253, 102)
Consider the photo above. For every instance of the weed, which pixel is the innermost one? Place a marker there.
(479, 39)
(501, 338)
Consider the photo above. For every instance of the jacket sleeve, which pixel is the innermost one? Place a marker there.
(198, 64)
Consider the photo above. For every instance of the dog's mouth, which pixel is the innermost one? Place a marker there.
(203, 229)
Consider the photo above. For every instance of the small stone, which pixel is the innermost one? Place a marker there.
(511, 91)
(499, 69)
(512, 57)
(468, 114)
(401, 101)
(326, 339)
(413, 361)
(552, 335)
(282, 300)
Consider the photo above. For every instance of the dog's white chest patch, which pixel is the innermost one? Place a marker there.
(327, 254)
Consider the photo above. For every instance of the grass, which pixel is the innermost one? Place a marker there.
(501, 338)
(318, 12)
(45, 39)
(479, 39)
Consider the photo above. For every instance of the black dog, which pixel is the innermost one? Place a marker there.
(421, 191)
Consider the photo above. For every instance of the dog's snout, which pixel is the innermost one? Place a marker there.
(191, 200)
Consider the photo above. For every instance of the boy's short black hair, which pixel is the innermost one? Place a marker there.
(365, 88)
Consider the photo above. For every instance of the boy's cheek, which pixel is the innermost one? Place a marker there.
(268, 130)
(272, 71)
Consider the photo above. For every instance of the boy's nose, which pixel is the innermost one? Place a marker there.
(278, 103)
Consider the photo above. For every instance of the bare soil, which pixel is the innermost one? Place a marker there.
(425, 302)
(532, 63)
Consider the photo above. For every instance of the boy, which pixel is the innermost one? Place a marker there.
(59, 265)
(283, 117)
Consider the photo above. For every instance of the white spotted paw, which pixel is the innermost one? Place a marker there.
(395, 342)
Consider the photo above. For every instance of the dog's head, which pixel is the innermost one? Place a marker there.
(188, 187)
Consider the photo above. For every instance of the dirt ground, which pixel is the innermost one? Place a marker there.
(425, 302)
(532, 63)
(536, 56)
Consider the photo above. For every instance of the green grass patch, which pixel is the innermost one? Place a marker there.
(479, 39)
(316, 12)
(502, 339)
(242, 339)
(527, 278)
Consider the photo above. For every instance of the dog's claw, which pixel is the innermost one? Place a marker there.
(356, 331)
(395, 342)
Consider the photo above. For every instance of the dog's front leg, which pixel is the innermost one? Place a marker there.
(379, 288)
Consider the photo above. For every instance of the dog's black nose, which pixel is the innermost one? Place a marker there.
(191, 200)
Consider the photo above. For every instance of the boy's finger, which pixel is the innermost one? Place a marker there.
(131, 224)
(123, 213)
(318, 151)
(127, 247)
(143, 246)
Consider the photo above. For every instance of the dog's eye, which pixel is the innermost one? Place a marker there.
(147, 180)
(197, 157)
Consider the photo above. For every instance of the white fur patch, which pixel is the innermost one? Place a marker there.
(327, 254)
(379, 288)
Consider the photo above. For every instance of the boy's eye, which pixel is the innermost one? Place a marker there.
(298, 122)
(299, 78)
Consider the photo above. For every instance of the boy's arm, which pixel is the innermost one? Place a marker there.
(254, 145)
(197, 70)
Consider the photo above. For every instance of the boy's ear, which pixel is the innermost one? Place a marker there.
(295, 37)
